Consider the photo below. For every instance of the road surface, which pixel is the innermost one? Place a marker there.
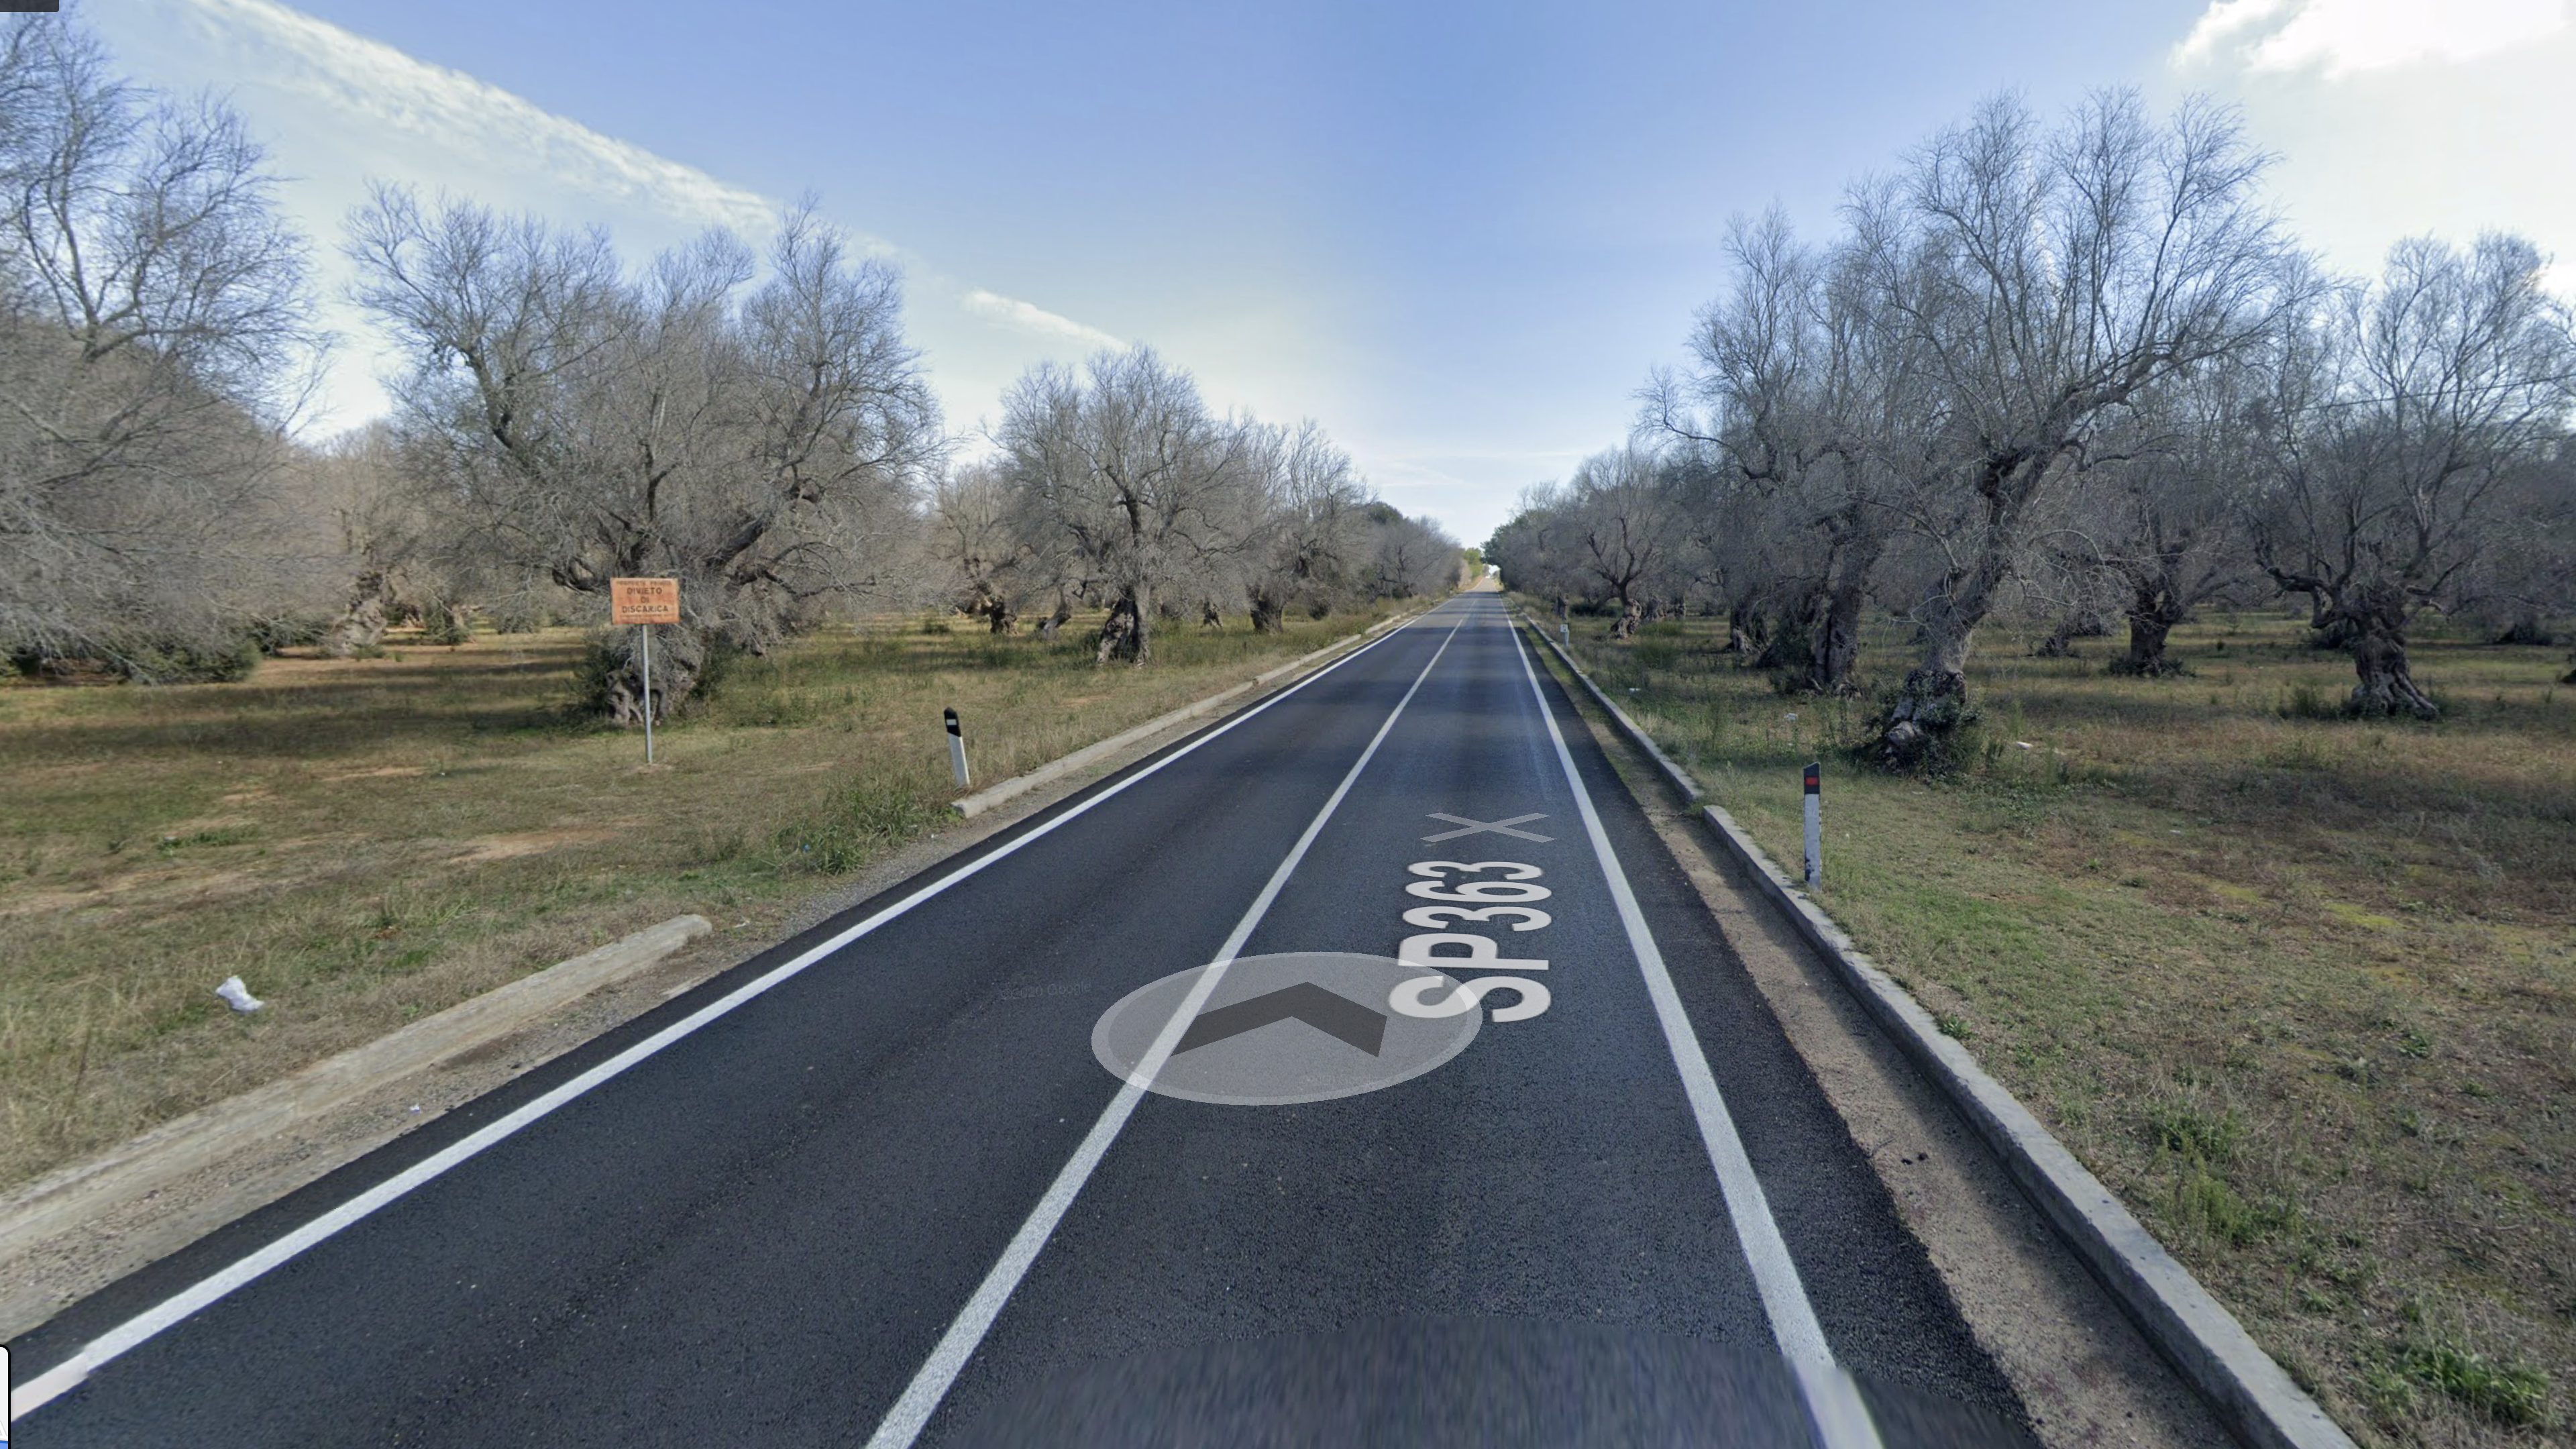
(1201, 1107)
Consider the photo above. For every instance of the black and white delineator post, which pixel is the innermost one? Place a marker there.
(956, 748)
(1815, 826)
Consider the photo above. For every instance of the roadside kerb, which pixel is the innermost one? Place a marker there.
(985, 799)
(142, 1165)
(2250, 1391)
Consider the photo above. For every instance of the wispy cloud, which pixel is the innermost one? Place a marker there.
(2346, 37)
(479, 127)
(1012, 312)
(461, 114)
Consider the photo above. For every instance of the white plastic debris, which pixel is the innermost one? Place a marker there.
(237, 996)
(2025, 744)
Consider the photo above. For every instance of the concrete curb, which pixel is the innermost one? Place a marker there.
(985, 799)
(145, 1164)
(2251, 1393)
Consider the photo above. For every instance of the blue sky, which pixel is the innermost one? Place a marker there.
(1458, 236)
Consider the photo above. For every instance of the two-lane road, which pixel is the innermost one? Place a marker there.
(955, 1168)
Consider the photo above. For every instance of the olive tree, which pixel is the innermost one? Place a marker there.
(2156, 506)
(1305, 552)
(760, 434)
(2047, 278)
(155, 342)
(2400, 415)
(1123, 462)
(1408, 558)
(1802, 402)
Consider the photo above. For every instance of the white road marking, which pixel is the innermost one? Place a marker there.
(34, 1394)
(1481, 827)
(1841, 1420)
(911, 1413)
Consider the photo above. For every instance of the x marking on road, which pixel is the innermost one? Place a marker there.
(1480, 827)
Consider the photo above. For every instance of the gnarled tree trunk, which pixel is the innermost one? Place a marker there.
(2153, 611)
(1933, 702)
(362, 629)
(2385, 686)
(1833, 649)
(1125, 634)
(2373, 617)
(679, 657)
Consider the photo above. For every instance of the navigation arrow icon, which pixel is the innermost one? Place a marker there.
(1335, 1015)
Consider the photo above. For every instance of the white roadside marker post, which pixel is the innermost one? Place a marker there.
(1565, 635)
(1815, 826)
(956, 748)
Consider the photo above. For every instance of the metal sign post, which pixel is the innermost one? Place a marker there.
(1815, 826)
(645, 603)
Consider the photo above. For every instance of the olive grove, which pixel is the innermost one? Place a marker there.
(759, 434)
(2080, 370)
(1115, 485)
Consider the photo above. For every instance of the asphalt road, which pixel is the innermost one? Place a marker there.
(896, 1193)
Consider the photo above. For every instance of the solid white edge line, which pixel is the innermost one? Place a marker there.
(921, 1398)
(1833, 1402)
(26, 1398)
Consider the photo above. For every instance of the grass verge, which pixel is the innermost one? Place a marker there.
(366, 842)
(2302, 989)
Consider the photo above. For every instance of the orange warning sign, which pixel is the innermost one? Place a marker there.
(643, 601)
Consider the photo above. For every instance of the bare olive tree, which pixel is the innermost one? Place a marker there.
(1123, 462)
(1305, 552)
(1537, 548)
(994, 565)
(1805, 405)
(1623, 520)
(2155, 515)
(1408, 558)
(2400, 414)
(759, 435)
(2049, 278)
(155, 341)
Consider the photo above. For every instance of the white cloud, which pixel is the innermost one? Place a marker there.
(1012, 312)
(340, 110)
(2346, 37)
(474, 119)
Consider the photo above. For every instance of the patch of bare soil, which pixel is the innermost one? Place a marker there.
(381, 772)
(531, 842)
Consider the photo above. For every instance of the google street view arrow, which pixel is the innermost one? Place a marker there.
(1326, 1012)
(1349, 1041)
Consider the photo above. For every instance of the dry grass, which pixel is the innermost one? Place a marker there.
(368, 841)
(2302, 989)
